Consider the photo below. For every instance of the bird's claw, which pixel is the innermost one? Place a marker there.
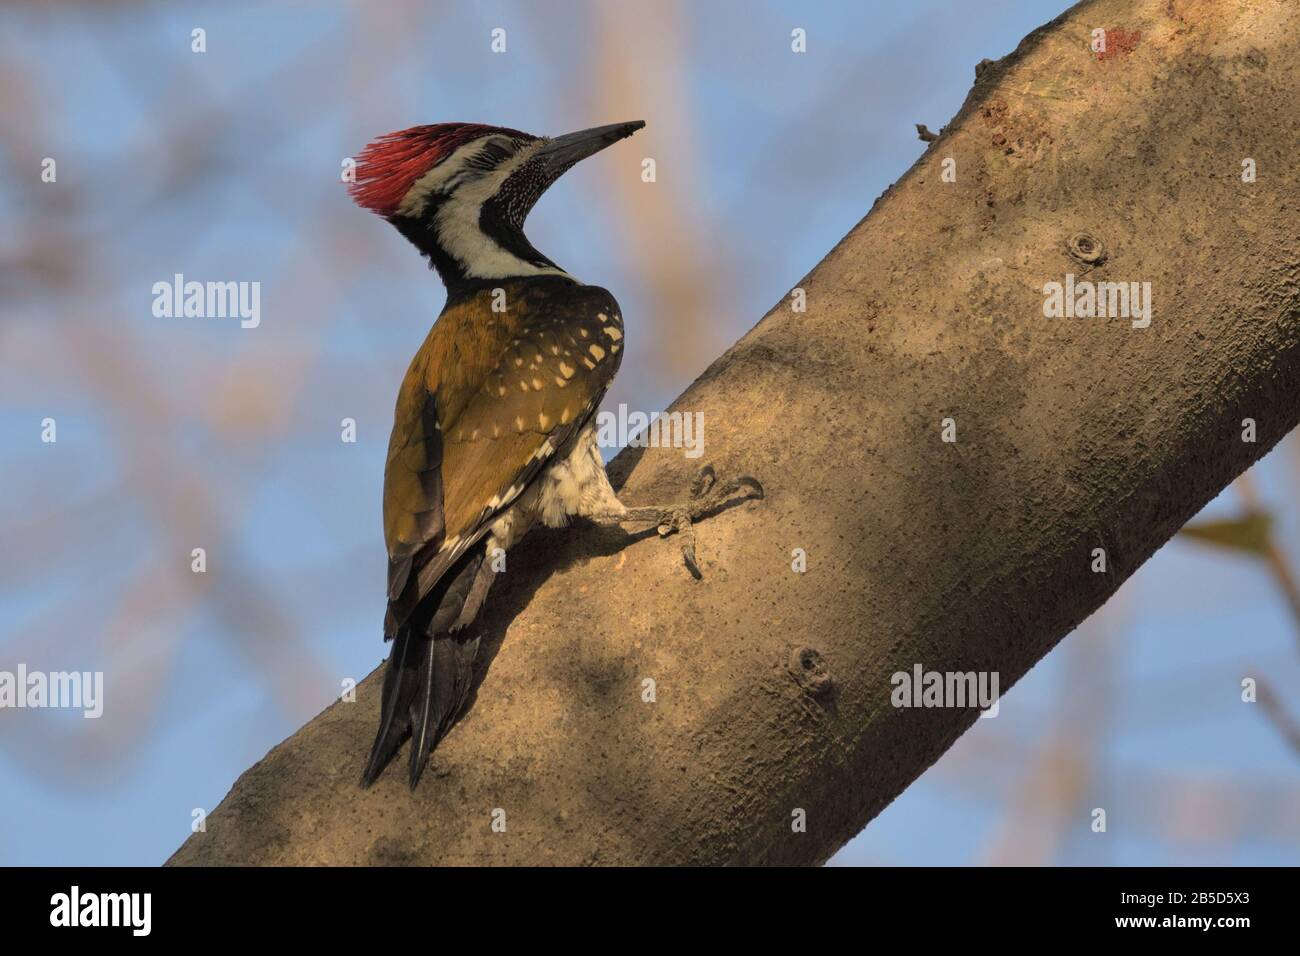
(704, 479)
(706, 496)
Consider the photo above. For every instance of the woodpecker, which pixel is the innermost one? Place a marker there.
(493, 429)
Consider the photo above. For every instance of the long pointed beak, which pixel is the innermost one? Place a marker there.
(563, 151)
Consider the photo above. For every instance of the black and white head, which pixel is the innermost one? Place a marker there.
(461, 192)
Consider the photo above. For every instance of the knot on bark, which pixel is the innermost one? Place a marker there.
(810, 670)
(1087, 249)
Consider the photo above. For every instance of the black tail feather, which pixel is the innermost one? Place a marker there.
(429, 675)
(422, 709)
(394, 715)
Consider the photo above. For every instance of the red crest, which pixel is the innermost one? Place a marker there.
(390, 166)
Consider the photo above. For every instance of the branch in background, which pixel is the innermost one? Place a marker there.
(1277, 714)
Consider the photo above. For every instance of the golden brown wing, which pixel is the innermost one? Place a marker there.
(487, 402)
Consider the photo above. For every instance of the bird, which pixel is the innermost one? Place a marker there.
(494, 424)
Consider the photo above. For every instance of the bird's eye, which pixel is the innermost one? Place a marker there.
(499, 147)
(491, 153)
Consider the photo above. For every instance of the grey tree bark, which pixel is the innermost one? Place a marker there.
(772, 688)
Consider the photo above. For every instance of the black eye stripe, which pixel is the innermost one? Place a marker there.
(491, 155)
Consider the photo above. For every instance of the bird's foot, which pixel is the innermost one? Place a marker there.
(708, 494)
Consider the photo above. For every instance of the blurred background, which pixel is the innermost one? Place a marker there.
(176, 433)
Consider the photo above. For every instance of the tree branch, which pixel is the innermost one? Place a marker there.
(772, 688)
